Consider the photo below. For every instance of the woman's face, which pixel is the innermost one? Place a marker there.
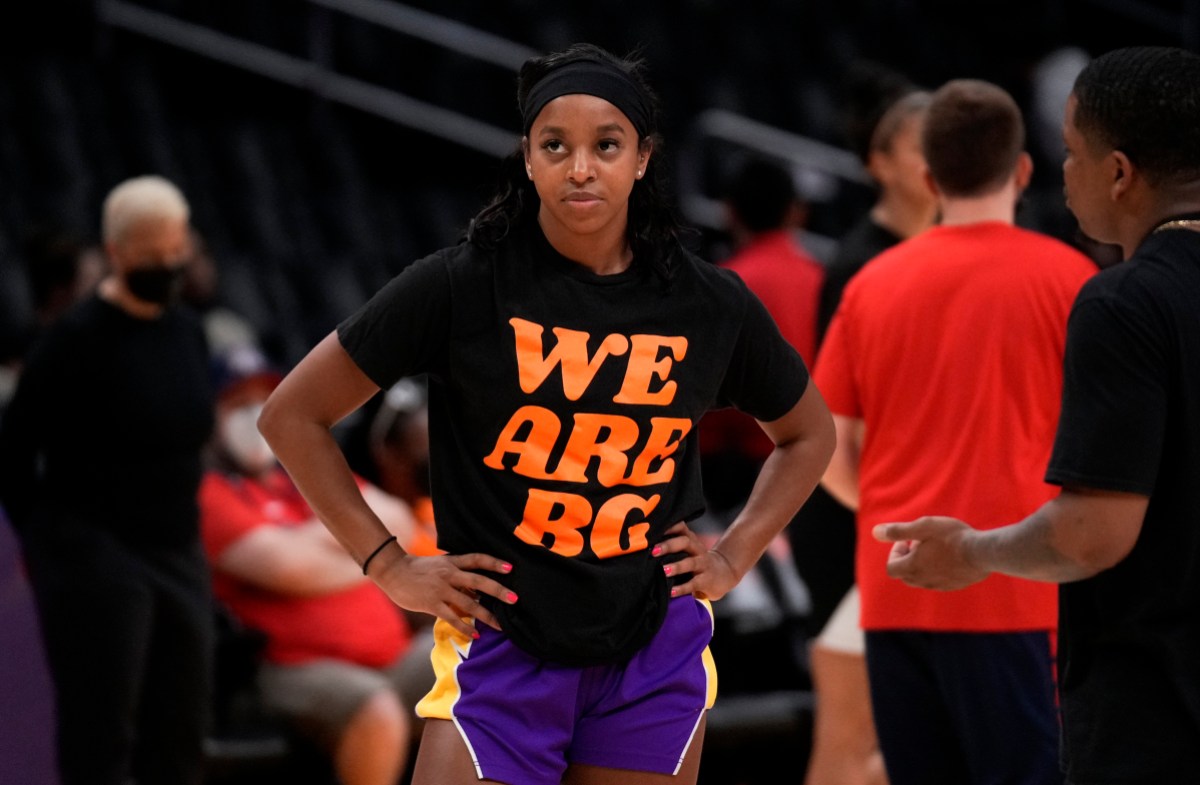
(155, 242)
(901, 167)
(583, 156)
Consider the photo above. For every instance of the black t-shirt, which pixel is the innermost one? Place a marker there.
(865, 240)
(562, 413)
(1130, 421)
(107, 426)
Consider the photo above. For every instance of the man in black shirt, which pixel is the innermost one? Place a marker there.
(100, 461)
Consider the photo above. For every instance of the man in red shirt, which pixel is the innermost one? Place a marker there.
(943, 369)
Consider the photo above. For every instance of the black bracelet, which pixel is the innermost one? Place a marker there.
(375, 552)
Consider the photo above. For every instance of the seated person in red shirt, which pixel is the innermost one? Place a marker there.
(339, 663)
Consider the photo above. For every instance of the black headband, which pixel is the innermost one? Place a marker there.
(590, 77)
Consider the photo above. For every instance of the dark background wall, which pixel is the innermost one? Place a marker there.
(309, 205)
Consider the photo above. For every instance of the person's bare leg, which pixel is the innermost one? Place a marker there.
(845, 750)
(374, 747)
(443, 757)
(688, 774)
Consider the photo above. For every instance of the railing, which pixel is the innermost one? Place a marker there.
(447, 33)
(809, 156)
(311, 74)
(821, 169)
(801, 150)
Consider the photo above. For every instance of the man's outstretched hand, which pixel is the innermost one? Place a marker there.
(930, 553)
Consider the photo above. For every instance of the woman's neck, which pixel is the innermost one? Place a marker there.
(903, 218)
(604, 252)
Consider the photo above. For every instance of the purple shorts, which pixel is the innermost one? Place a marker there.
(525, 719)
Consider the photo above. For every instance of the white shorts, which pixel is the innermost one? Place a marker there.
(843, 633)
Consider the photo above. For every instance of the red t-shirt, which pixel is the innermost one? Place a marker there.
(359, 624)
(949, 347)
(788, 281)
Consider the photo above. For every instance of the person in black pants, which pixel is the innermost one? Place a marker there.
(100, 461)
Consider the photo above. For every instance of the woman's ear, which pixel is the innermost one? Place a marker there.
(931, 183)
(645, 149)
(525, 153)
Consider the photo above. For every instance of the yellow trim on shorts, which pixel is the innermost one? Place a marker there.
(710, 665)
(450, 648)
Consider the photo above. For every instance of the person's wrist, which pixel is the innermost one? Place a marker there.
(972, 550)
(375, 556)
(721, 555)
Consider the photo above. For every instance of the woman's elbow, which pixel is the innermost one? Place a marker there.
(819, 428)
(271, 420)
(825, 438)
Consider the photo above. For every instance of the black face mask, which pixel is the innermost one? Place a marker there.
(158, 285)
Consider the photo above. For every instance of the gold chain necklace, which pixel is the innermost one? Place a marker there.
(1183, 223)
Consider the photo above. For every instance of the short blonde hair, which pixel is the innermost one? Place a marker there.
(149, 197)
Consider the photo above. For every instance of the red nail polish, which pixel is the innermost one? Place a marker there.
(511, 596)
(657, 551)
(667, 569)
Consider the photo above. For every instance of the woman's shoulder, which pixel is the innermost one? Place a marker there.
(84, 321)
(462, 258)
(458, 254)
(442, 267)
(713, 277)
